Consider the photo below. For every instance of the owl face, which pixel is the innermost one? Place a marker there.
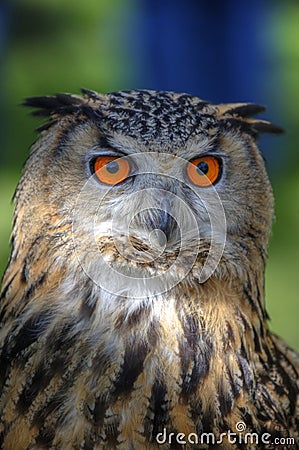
(158, 186)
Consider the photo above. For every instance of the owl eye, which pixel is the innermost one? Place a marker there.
(111, 169)
(204, 171)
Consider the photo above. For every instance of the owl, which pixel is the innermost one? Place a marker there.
(132, 308)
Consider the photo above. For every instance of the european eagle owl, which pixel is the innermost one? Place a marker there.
(132, 308)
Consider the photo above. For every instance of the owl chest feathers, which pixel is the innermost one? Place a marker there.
(117, 370)
(134, 367)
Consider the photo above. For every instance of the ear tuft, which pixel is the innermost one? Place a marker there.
(263, 126)
(242, 113)
(55, 104)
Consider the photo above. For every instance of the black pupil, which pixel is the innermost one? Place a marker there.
(202, 168)
(112, 167)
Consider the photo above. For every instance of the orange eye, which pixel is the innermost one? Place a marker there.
(204, 171)
(111, 169)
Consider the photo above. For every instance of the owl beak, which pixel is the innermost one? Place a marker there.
(160, 219)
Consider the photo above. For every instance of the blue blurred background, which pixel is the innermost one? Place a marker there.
(219, 51)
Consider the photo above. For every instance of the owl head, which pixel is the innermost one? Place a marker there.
(144, 190)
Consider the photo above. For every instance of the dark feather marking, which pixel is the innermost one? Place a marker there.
(104, 141)
(57, 401)
(28, 333)
(132, 367)
(5, 290)
(230, 333)
(101, 405)
(225, 401)
(196, 351)
(207, 420)
(5, 364)
(88, 303)
(89, 443)
(243, 352)
(25, 272)
(228, 338)
(91, 113)
(256, 339)
(157, 408)
(247, 418)
(2, 436)
(288, 383)
(45, 437)
(252, 301)
(102, 362)
(246, 373)
(100, 365)
(125, 320)
(153, 333)
(25, 337)
(31, 255)
(255, 302)
(40, 380)
(87, 308)
(201, 364)
(236, 389)
(61, 339)
(3, 311)
(266, 407)
(270, 361)
(252, 234)
(29, 292)
(196, 413)
(111, 431)
(63, 135)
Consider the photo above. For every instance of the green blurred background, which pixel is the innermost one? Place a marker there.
(59, 46)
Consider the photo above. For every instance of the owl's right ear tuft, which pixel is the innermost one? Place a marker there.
(59, 104)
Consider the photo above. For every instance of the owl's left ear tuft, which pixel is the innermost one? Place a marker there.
(264, 126)
(242, 113)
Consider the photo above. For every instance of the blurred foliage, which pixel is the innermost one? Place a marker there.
(57, 46)
(283, 262)
(60, 45)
